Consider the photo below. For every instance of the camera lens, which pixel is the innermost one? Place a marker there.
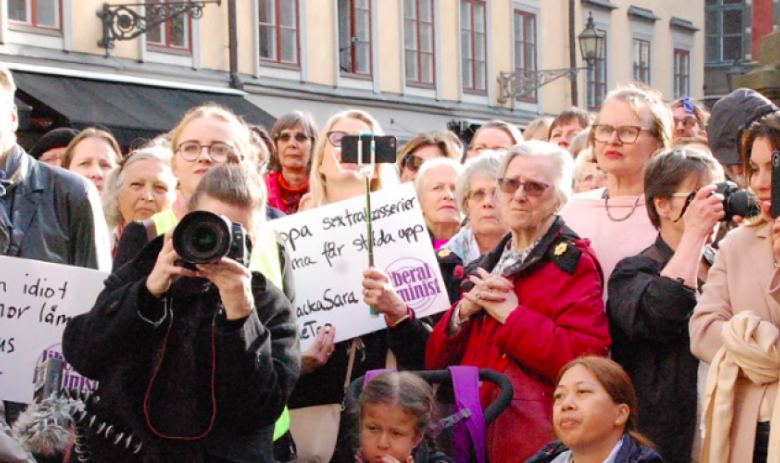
(202, 237)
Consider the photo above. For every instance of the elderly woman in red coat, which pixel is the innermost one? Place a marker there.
(531, 305)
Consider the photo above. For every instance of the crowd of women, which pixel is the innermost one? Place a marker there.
(586, 236)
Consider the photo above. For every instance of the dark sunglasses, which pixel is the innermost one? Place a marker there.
(531, 188)
(300, 137)
(688, 122)
(412, 162)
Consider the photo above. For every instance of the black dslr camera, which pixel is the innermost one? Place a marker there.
(203, 237)
(737, 202)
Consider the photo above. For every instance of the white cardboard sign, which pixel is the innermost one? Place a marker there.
(327, 246)
(37, 299)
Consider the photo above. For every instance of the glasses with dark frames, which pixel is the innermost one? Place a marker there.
(335, 136)
(412, 162)
(218, 151)
(627, 134)
(300, 137)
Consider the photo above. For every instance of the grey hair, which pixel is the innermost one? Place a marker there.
(117, 177)
(422, 175)
(484, 165)
(587, 156)
(561, 160)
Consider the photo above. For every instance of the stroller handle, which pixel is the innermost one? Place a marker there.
(493, 410)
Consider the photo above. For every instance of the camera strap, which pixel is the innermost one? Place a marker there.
(169, 310)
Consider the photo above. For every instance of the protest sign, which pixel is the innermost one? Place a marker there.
(328, 248)
(37, 299)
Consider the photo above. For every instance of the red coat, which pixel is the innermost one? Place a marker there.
(560, 317)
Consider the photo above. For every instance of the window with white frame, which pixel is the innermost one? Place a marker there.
(725, 24)
(419, 42)
(173, 34)
(682, 73)
(279, 31)
(42, 14)
(525, 46)
(473, 45)
(597, 79)
(642, 61)
(354, 18)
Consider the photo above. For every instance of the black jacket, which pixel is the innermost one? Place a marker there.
(135, 236)
(630, 452)
(121, 341)
(55, 216)
(648, 320)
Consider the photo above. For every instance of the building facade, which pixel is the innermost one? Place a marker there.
(734, 29)
(414, 64)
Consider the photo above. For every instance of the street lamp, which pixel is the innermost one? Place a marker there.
(591, 42)
(520, 84)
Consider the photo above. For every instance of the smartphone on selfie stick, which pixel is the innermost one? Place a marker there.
(367, 150)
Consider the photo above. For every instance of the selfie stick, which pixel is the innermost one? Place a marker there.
(368, 172)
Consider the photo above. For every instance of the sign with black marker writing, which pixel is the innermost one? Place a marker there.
(37, 299)
(328, 248)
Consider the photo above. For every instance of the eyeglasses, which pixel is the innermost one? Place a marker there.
(688, 195)
(627, 134)
(300, 137)
(480, 194)
(688, 121)
(335, 136)
(218, 151)
(412, 162)
(530, 187)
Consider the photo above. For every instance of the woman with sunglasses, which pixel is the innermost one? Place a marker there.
(507, 320)
(294, 135)
(634, 123)
(423, 147)
(331, 180)
(736, 324)
(651, 297)
(690, 119)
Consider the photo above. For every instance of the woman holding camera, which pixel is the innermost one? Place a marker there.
(734, 327)
(195, 364)
(651, 297)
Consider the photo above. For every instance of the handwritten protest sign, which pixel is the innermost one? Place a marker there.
(37, 299)
(328, 248)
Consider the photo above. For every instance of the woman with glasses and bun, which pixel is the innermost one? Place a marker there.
(294, 136)
(633, 124)
(736, 324)
(651, 297)
(421, 148)
(507, 320)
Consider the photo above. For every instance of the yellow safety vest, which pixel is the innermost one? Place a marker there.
(264, 259)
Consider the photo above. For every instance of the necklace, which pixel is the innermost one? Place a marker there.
(621, 219)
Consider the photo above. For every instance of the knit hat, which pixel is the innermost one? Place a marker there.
(730, 115)
(57, 138)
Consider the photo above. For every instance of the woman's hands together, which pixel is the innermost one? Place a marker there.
(494, 294)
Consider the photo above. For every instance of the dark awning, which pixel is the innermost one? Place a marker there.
(129, 111)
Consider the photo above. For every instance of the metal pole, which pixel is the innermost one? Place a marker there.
(235, 80)
(575, 99)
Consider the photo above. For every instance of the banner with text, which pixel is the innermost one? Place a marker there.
(37, 299)
(328, 248)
